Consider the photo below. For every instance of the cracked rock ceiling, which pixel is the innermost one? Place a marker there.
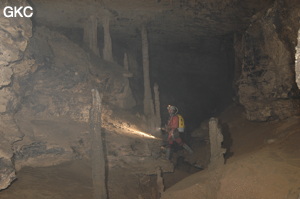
(167, 20)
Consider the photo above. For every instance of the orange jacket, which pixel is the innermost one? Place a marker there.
(173, 123)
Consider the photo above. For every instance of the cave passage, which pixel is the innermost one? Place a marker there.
(85, 86)
(196, 77)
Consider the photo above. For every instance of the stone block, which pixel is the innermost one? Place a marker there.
(8, 100)
(5, 76)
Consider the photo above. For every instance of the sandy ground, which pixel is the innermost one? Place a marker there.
(263, 162)
(69, 180)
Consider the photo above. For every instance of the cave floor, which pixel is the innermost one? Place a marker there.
(69, 180)
(260, 154)
(73, 180)
(263, 162)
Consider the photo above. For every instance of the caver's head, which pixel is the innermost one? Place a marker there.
(172, 109)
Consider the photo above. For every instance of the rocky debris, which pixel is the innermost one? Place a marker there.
(36, 149)
(44, 146)
(5, 76)
(9, 134)
(266, 87)
(25, 67)
(124, 149)
(40, 154)
(8, 100)
(7, 169)
(7, 172)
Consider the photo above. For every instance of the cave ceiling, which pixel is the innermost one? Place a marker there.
(167, 20)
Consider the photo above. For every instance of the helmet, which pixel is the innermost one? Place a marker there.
(173, 108)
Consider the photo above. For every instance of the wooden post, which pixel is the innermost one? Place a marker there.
(97, 152)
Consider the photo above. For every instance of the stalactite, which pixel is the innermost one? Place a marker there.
(126, 64)
(97, 151)
(107, 50)
(297, 61)
(86, 40)
(148, 102)
(157, 106)
(90, 34)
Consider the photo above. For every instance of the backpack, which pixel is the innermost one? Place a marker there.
(181, 123)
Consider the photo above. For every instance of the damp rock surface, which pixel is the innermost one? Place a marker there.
(14, 37)
(266, 86)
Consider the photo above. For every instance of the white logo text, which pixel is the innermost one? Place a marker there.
(18, 11)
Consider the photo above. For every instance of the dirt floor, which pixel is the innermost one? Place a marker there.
(69, 180)
(262, 162)
(73, 180)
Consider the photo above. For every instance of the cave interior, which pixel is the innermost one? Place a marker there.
(85, 86)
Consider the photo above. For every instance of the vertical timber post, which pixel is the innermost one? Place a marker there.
(97, 151)
(107, 49)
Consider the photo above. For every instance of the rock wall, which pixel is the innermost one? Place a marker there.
(267, 87)
(54, 97)
(44, 120)
(14, 36)
(47, 84)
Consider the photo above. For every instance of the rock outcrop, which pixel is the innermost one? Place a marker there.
(266, 87)
(14, 36)
(45, 99)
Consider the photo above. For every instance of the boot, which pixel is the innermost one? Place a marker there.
(186, 147)
(168, 153)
